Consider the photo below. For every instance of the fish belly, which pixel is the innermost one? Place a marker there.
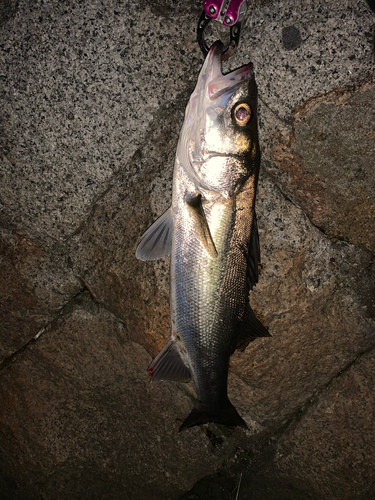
(208, 296)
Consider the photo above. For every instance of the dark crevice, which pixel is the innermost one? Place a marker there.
(286, 121)
(320, 229)
(300, 412)
(72, 303)
(110, 183)
(63, 311)
(86, 288)
(298, 415)
(289, 199)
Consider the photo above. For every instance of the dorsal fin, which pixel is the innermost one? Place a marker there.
(254, 256)
(156, 242)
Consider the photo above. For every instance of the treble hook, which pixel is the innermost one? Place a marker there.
(230, 13)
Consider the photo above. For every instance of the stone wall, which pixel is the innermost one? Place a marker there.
(92, 101)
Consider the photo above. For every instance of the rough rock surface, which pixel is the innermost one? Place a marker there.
(328, 452)
(80, 418)
(92, 97)
(329, 160)
(38, 282)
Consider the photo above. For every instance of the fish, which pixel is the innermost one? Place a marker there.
(210, 231)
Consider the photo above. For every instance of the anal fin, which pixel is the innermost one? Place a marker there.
(168, 365)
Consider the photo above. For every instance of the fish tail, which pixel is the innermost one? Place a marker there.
(225, 416)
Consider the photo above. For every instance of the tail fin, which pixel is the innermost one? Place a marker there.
(225, 416)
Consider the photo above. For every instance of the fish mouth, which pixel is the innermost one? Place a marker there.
(219, 84)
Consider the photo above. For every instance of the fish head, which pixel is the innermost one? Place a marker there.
(218, 145)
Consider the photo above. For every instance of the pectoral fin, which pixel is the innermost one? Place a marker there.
(250, 328)
(168, 365)
(198, 217)
(156, 242)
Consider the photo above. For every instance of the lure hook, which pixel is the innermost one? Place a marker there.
(231, 14)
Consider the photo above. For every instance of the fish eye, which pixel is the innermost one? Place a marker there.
(242, 114)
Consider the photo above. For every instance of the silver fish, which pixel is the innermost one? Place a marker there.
(210, 231)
